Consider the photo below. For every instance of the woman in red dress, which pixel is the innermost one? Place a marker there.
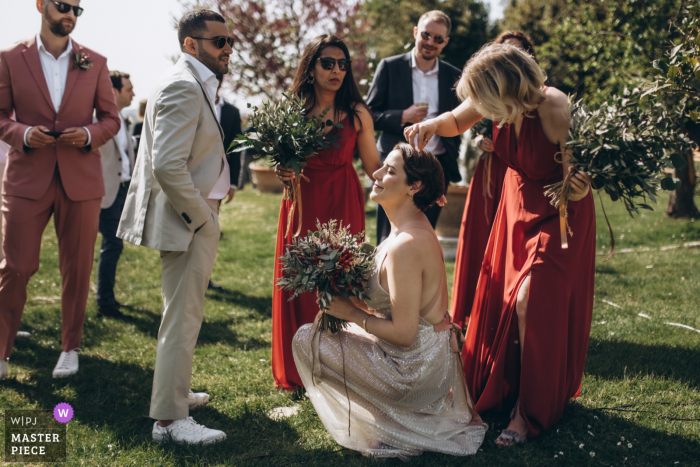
(330, 187)
(528, 333)
(480, 211)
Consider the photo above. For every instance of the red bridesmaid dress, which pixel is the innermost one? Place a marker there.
(479, 213)
(333, 191)
(525, 240)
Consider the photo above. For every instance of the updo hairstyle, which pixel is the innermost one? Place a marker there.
(422, 166)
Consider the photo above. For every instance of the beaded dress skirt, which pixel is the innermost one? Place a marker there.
(403, 400)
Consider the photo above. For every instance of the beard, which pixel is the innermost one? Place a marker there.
(62, 27)
(427, 54)
(212, 62)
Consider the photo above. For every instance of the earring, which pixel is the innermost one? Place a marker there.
(311, 80)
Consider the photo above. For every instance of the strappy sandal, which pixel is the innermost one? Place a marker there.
(509, 438)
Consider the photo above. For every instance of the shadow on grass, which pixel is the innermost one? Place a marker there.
(613, 359)
(261, 305)
(147, 322)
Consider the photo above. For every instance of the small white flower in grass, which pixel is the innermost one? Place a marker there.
(596, 417)
(629, 445)
(589, 427)
(591, 433)
(109, 446)
(623, 438)
(263, 360)
(561, 453)
(592, 454)
(555, 456)
(580, 446)
(619, 443)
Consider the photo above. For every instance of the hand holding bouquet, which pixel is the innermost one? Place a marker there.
(624, 147)
(331, 262)
(285, 135)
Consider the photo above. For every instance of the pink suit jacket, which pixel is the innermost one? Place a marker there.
(23, 88)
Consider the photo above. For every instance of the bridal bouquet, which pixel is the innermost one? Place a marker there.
(331, 262)
(288, 138)
(624, 147)
(484, 127)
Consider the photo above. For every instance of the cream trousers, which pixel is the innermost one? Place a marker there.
(185, 278)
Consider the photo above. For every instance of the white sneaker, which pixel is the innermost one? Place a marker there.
(4, 368)
(67, 364)
(187, 431)
(197, 399)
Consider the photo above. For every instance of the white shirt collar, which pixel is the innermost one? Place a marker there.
(41, 47)
(415, 65)
(205, 74)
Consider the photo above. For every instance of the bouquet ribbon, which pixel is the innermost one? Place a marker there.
(293, 193)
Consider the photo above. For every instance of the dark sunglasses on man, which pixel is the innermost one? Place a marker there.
(436, 38)
(327, 63)
(64, 8)
(219, 41)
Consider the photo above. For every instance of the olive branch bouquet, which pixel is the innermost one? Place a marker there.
(624, 146)
(287, 137)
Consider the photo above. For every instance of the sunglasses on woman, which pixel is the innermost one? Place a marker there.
(64, 8)
(327, 63)
(219, 41)
(436, 38)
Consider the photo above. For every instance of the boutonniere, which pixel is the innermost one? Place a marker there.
(81, 61)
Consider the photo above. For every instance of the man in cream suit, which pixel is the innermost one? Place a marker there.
(180, 177)
(117, 167)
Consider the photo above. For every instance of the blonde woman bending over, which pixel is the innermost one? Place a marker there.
(530, 322)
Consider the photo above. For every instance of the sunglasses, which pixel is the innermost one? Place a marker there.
(219, 41)
(328, 63)
(64, 8)
(436, 38)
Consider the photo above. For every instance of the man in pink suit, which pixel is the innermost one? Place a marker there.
(54, 85)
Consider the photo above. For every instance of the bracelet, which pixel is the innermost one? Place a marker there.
(364, 323)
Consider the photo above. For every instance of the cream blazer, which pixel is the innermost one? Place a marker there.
(181, 156)
(112, 168)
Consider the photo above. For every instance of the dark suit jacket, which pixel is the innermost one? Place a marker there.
(392, 92)
(231, 124)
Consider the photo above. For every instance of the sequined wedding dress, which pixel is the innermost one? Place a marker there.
(403, 400)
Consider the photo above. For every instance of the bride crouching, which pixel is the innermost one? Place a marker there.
(405, 386)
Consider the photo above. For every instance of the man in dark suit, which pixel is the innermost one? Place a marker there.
(411, 88)
(230, 121)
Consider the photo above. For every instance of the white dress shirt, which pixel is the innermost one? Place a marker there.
(426, 91)
(211, 84)
(55, 73)
(4, 149)
(121, 138)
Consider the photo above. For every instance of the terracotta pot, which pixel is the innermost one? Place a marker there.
(450, 220)
(265, 179)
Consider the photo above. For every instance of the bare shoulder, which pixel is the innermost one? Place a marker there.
(409, 246)
(556, 102)
(554, 113)
(364, 115)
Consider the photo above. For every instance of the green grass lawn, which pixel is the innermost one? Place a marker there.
(634, 362)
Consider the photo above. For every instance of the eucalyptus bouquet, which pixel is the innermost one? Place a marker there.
(624, 146)
(331, 262)
(285, 135)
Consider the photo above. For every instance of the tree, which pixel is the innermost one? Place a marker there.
(271, 37)
(395, 20)
(593, 48)
(676, 85)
